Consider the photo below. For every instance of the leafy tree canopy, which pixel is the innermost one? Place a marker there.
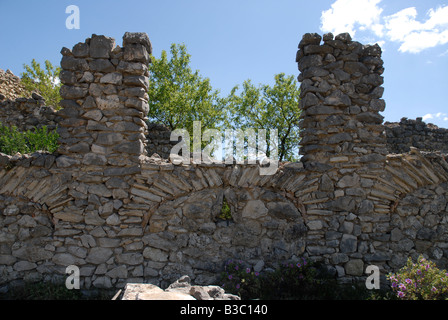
(269, 107)
(178, 96)
(44, 81)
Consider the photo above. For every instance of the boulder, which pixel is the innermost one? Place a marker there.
(181, 289)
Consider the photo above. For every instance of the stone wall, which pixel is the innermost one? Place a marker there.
(11, 86)
(415, 133)
(159, 140)
(103, 204)
(18, 110)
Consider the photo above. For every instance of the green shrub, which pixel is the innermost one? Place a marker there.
(240, 280)
(13, 141)
(420, 281)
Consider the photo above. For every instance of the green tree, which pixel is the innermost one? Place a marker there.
(178, 96)
(43, 81)
(269, 107)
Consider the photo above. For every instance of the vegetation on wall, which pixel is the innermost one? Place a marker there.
(13, 141)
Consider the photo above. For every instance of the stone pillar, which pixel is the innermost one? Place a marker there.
(341, 100)
(105, 103)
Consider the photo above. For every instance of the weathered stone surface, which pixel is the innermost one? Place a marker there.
(254, 209)
(137, 38)
(354, 267)
(101, 46)
(181, 289)
(98, 255)
(112, 78)
(349, 243)
(283, 210)
(122, 216)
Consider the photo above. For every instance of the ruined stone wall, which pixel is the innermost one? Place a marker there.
(22, 109)
(159, 140)
(121, 215)
(415, 133)
(10, 86)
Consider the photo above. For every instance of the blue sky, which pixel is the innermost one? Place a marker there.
(232, 41)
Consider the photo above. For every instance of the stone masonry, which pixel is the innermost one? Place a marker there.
(415, 133)
(123, 216)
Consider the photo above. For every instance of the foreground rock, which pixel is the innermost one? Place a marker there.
(179, 290)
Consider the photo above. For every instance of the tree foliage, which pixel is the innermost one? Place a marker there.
(269, 107)
(43, 81)
(178, 96)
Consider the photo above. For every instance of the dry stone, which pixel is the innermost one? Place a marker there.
(103, 204)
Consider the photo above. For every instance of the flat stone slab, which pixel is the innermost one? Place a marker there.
(142, 291)
(179, 290)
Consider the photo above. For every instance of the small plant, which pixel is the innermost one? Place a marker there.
(420, 281)
(225, 213)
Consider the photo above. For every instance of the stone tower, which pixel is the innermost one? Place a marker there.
(341, 100)
(105, 103)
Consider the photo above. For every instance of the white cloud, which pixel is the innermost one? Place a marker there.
(402, 26)
(344, 15)
(414, 35)
(438, 115)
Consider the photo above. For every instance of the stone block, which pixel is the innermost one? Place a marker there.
(354, 267)
(101, 46)
(349, 243)
(98, 255)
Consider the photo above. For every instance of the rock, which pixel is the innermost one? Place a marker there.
(349, 243)
(27, 222)
(112, 78)
(102, 283)
(181, 289)
(352, 67)
(137, 38)
(71, 92)
(254, 209)
(74, 64)
(354, 267)
(24, 266)
(349, 181)
(337, 98)
(314, 72)
(36, 96)
(4, 159)
(100, 190)
(99, 255)
(310, 38)
(80, 50)
(283, 210)
(101, 65)
(101, 46)
(365, 207)
(65, 162)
